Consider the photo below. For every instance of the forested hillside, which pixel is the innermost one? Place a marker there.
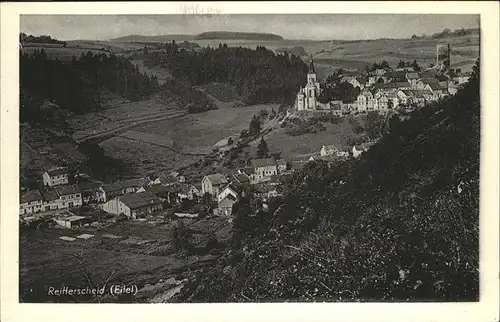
(259, 76)
(77, 86)
(398, 224)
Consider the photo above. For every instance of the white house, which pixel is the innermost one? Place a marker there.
(31, 202)
(230, 189)
(56, 176)
(69, 196)
(264, 168)
(365, 101)
(134, 205)
(225, 206)
(213, 184)
(328, 150)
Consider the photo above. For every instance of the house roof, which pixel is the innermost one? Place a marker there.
(33, 195)
(248, 171)
(229, 198)
(67, 190)
(89, 185)
(430, 80)
(50, 195)
(139, 200)
(57, 171)
(157, 189)
(241, 178)
(216, 179)
(412, 76)
(235, 188)
(331, 147)
(73, 218)
(281, 162)
(129, 183)
(268, 162)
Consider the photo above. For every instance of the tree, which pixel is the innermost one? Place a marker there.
(374, 123)
(255, 127)
(262, 149)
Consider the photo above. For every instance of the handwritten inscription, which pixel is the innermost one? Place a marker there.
(197, 9)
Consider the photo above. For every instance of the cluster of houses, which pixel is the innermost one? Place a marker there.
(381, 90)
(57, 194)
(262, 173)
(138, 197)
(332, 153)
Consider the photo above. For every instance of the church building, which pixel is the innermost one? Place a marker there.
(306, 97)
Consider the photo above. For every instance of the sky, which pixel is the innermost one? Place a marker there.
(289, 26)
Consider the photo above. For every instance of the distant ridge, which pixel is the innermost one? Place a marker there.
(202, 36)
(238, 35)
(157, 38)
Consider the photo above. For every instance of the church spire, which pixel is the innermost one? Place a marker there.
(311, 66)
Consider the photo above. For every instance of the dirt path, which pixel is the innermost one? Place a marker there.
(129, 123)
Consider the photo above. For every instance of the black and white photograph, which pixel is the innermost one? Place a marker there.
(211, 157)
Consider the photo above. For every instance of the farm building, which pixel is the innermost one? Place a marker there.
(62, 197)
(90, 191)
(225, 206)
(55, 177)
(264, 168)
(213, 184)
(119, 188)
(70, 221)
(134, 205)
(31, 202)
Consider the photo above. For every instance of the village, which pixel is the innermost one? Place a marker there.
(171, 195)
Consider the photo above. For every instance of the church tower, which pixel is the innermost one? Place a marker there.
(306, 98)
(311, 74)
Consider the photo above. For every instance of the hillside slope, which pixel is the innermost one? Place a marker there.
(398, 224)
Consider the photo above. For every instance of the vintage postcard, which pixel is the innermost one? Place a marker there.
(239, 154)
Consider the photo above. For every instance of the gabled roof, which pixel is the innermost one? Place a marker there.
(157, 189)
(229, 198)
(120, 185)
(241, 178)
(139, 200)
(89, 185)
(67, 190)
(412, 76)
(57, 171)
(235, 188)
(50, 195)
(216, 179)
(268, 162)
(33, 195)
(430, 80)
(248, 171)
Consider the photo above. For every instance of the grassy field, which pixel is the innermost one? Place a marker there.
(206, 129)
(134, 254)
(303, 146)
